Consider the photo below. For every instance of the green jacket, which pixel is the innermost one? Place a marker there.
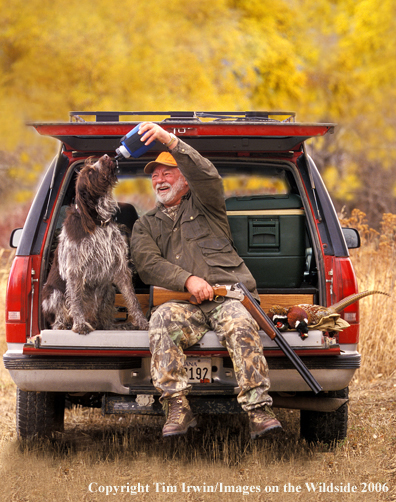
(198, 242)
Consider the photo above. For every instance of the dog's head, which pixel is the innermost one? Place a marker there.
(94, 184)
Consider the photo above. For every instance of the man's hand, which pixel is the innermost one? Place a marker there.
(150, 132)
(199, 288)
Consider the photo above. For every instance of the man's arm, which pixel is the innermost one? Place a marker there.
(204, 181)
(150, 132)
(156, 270)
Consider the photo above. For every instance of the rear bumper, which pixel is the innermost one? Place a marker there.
(89, 364)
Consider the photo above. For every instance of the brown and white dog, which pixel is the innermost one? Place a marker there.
(91, 257)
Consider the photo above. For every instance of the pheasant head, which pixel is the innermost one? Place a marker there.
(278, 316)
(298, 318)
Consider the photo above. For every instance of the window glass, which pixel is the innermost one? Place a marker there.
(254, 180)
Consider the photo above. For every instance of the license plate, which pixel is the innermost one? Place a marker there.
(199, 369)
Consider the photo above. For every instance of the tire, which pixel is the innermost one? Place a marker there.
(319, 426)
(39, 414)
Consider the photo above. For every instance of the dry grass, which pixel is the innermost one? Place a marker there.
(128, 450)
(374, 264)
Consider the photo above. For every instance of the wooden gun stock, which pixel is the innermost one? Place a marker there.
(162, 295)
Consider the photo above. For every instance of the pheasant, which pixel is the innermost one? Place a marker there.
(278, 316)
(304, 316)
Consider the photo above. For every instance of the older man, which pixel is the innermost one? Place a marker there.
(185, 244)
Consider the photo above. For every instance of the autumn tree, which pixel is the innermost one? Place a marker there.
(329, 60)
(351, 82)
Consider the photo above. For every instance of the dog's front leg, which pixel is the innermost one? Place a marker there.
(62, 317)
(75, 294)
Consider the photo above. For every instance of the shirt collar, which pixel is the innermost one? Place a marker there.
(173, 210)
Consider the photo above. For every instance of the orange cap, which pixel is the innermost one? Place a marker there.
(163, 159)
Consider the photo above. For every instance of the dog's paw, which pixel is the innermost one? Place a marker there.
(82, 328)
(140, 322)
(61, 326)
(125, 326)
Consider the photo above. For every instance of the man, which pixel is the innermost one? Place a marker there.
(185, 244)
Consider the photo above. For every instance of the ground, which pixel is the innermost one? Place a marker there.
(97, 453)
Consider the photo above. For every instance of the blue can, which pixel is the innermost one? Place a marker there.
(131, 146)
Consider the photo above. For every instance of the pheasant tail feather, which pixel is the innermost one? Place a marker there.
(345, 302)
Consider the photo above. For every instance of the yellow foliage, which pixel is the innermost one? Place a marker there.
(22, 196)
(131, 186)
(328, 60)
(342, 187)
(240, 185)
(358, 220)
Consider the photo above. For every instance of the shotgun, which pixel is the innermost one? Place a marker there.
(265, 323)
(241, 293)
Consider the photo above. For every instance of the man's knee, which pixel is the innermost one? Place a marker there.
(235, 318)
(168, 314)
(184, 324)
(159, 315)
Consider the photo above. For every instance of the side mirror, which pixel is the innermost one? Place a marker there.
(15, 238)
(352, 238)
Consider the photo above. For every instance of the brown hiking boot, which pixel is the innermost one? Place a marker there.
(262, 421)
(179, 417)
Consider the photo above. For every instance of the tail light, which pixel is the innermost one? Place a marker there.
(345, 285)
(18, 299)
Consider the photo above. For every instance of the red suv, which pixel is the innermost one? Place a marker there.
(284, 226)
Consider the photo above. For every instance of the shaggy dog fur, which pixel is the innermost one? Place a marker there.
(91, 257)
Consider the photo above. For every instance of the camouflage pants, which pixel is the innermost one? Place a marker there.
(177, 326)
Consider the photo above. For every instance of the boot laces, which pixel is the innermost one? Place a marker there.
(175, 409)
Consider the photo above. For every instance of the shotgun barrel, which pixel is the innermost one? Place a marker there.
(268, 327)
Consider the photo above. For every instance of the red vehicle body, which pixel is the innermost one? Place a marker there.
(277, 204)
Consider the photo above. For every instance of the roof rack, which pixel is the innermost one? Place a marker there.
(252, 116)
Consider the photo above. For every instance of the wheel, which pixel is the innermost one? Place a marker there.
(326, 427)
(39, 414)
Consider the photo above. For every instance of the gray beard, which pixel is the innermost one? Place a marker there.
(174, 189)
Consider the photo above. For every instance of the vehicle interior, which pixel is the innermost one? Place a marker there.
(265, 211)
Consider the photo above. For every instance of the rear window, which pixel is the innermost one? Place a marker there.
(244, 180)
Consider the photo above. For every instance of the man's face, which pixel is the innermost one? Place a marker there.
(169, 185)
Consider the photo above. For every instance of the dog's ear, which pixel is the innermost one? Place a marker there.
(84, 203)
(87, 221)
